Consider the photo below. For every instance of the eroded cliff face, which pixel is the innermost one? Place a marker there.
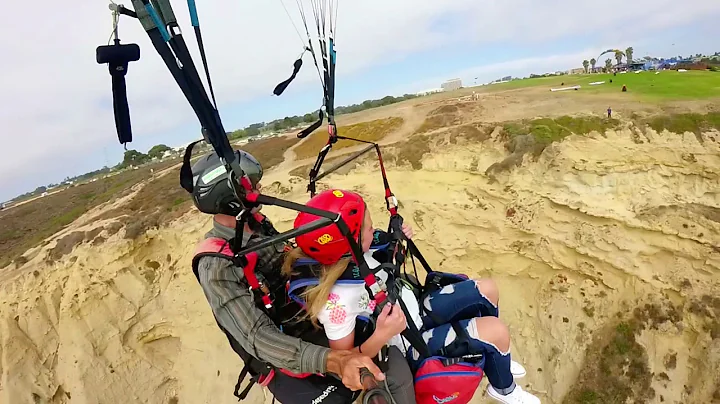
(606, 249)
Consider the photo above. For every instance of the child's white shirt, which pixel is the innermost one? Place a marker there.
(348, 301)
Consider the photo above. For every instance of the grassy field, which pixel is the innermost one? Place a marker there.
(647, 85)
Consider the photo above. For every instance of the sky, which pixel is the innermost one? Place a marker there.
(56, 114)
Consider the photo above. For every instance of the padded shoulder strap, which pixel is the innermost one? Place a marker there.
(211, 247)
(214, 245)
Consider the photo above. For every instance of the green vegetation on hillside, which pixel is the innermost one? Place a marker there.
(688, 122)
(548, 130)
(616, 365)
(617, 369)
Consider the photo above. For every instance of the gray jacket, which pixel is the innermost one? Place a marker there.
(234, 308)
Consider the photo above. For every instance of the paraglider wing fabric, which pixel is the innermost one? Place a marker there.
(280, 88)
(610, 51)
(143, 15)
(165, 11)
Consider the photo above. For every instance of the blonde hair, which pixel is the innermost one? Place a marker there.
(315, 296)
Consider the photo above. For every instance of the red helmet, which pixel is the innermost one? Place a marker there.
(327, 245)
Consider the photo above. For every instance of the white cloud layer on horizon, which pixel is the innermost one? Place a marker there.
(56, 97)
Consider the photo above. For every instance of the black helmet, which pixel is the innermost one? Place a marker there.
(211, 189)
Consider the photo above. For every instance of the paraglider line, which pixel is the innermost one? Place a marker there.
(292, 22)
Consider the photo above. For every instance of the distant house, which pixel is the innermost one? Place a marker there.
(450, 85)
(579, 70)
(652, 64)
(636, 65)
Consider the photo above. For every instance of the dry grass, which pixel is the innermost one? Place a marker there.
(617, 370)
(158, 202)
(441, 117)
(410, 151)
(372, 131)
(269, 152)
(161, 200)
(471, 133)
(27, 225)
(304, 170)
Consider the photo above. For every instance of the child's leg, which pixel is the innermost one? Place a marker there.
(486, 335)
(399, 377)
(462, 300)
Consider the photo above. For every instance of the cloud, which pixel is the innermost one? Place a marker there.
(55, 99)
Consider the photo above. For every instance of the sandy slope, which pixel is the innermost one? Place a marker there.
(597, 226)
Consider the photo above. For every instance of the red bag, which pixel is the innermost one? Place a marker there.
(440, 382)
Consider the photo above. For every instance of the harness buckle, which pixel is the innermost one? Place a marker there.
(392, 201)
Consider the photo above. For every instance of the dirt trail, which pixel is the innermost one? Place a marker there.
(605, 250)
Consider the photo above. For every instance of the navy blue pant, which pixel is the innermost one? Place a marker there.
(462, 302)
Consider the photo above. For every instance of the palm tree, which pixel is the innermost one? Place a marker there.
(585, 65)
(608, 64)
(618, 56)
(592, 63)
(629, 54)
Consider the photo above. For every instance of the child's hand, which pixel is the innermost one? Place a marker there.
(407, 231)
(392, 323)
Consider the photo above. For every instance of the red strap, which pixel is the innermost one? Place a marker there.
(214, 245)
(249, 270)
(265, 380)
(377, 292)
(295, 375)
(251, 196)
(220, 246)
(380, 297)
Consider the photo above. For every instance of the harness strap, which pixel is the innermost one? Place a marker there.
(462, 338)
(412, 334)
(249, 262)
(245, 392)
(412, 248)
(241, 377)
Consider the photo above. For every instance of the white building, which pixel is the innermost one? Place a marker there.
(451, 85)
(429, 91)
